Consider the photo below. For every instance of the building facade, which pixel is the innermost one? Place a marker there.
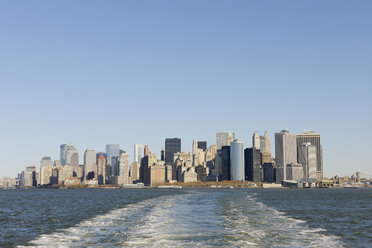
(253, 168)
(90, 165)
(139, 152)
(307, 157)
(237, 160)
(314, 139)
(172, 146)
(224, 139)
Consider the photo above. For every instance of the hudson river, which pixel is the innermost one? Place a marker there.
(186, 218)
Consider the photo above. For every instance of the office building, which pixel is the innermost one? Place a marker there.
(294, 172)
(102, 171)
(29, 177)
(112, 150)
(69, 155)
(265, 145)
(147, 150)
(252, 158)
(314, 139)
(172, 146)
(285, 148)
(202, 145)
(138, 153)
(46, 161)
(123, 177)
(162, 154)
(62, 154)
(237, 160)
(307, 157)
(256, 141)
(285, 153)
(226, 163)
(90, 164)
(224, 139)
(268, 173)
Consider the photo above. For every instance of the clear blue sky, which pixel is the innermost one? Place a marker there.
(98, 72)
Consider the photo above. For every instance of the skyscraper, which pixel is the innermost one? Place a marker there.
(285, 148)
(162, 154)
(46, 168)
(194, 146)
(265, 145)
(101, 167)
(62, 154)
(138, 153)
(252, 157)
(46, 161)
(172, 146)
(256, 141)
(69, 155)
(314, 139)
(90, 164)
(224, 139)
(261, 142)
(112, 150)
(226, 162)
(123, 177)
(237, 160)
(147, 150)
(202, 145)
(285, 153)
(307, 157)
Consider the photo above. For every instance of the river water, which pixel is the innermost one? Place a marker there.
(186, 218)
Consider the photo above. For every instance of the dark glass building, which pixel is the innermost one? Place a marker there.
(268, 173)
(202, 145)
(225, 151)
(172, 146)
(252, 164)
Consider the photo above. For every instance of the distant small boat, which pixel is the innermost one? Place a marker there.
(170, 187)
(230, 187)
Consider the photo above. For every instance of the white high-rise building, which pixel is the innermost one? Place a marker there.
(123, 177)
(90, 164)
(256, 141)
(285, 153)
(285, 148)
(265, 143)
(46, 161)
(138, 153)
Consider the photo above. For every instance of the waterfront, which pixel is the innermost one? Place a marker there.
(186, 217)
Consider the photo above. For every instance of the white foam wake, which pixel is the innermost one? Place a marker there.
(110, 229)
(196, 219)
(263, 226)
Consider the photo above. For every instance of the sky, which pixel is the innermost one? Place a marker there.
(92, 73)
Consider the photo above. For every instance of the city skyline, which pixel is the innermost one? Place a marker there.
(132, 73)
(174, 146)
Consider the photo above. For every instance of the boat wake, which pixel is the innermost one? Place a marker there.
(195, 219)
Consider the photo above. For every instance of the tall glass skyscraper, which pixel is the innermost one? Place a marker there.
(112, 150)
(138, 153)
(237, 160)
(172, 146)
